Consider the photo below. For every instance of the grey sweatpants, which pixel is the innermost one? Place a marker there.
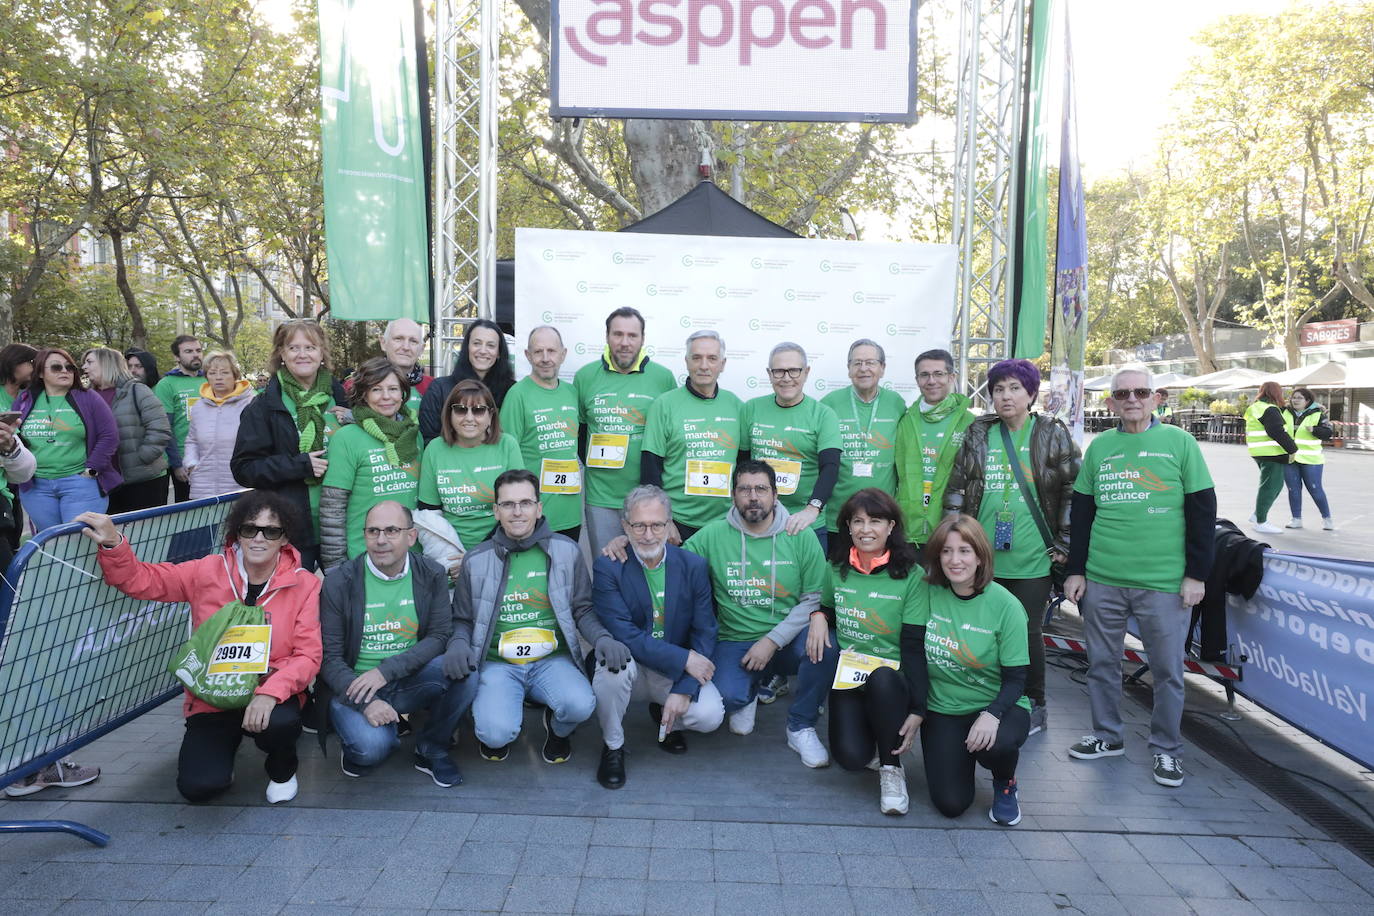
(1163, 622)
(603, 526)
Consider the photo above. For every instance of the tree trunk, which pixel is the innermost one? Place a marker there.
(126, 292)
(664, 156)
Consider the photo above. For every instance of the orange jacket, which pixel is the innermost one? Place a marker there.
(290, 603)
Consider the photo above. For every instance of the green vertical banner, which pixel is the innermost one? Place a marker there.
(376, 233)
(1029, 340)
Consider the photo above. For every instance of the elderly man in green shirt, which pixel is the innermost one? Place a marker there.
(868, 414)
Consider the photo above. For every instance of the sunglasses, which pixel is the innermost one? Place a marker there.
(60, 367)
(272, 532)
(1141, 394)
(477, 410)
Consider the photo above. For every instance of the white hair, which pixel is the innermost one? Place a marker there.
(646, 493)
(390, 325)
(788, 347)
(707, 334)
(1134, 368)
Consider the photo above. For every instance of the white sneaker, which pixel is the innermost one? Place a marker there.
(1328, 524)
(1266, 528)
(742, 720)
(892, 795)
(281, 791)
(873, 764)
(806, 742)
(1294, 523)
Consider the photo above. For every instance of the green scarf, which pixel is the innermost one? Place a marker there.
(397, 435)
(941, 411)
(310, 406)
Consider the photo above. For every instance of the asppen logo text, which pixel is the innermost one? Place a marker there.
(809, 24)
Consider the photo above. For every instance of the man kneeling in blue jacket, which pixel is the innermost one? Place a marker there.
(657, 602)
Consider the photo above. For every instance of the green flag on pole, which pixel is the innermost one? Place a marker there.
(376, 233)
(1030, 324)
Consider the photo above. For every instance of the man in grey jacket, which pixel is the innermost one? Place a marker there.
(519, 605)
(767, 585)
(385, 620)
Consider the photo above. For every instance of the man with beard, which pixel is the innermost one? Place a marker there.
(767, 585)
(178, 390)
(658, 603)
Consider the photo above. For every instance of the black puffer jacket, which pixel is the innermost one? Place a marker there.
(1055, 460)
(267, 453)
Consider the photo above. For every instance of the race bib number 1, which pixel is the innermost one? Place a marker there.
(560, 476)
(242, 650)
(854, 669)
(607, 450)
(707, 478)
(789, 474)
(526, 644)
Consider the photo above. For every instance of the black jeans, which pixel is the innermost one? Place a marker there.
(142, 495)
(1033, 594)
(866, 720)
(205, 767)
(949, 765)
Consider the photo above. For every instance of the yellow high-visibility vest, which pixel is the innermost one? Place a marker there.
(1256, 439)
(1309, 446)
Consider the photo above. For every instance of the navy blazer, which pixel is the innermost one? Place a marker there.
(621, 596)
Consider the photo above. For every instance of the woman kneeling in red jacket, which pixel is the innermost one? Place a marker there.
(260, 568)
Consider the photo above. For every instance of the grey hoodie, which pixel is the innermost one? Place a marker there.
(800, 616)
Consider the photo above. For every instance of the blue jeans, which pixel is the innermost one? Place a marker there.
(60, 499)
(368, 745)
(738, 687)
(499, 707)
(1297, 476)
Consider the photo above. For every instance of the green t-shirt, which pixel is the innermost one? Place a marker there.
(357, 463)
(56, 436)
(525, 602)
(463, 481)
(389, 621)
(698, 440)
(544, 423)
(1027, 558)
(759, 581)
(791, 439)
(613, 406)
(1138, 481)
(871, 609)
(6, 402)
(968, 642)
(177, 393)
(868, 433)
(656, 579)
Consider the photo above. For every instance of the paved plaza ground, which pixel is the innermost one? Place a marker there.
(737, 825)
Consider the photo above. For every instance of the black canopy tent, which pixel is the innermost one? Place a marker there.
(704, 210)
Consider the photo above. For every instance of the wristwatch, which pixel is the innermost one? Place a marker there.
(817, 504)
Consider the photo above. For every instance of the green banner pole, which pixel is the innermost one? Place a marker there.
(1029, 339)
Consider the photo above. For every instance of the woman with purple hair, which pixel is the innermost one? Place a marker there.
(1021, 502)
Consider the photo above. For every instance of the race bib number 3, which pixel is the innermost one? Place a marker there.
(789, 474)
(854, 669)
(557, 476)
(707, 478)
(607, 450)
(526, 644)
(242, 650)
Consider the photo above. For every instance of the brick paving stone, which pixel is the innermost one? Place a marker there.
(761, 899)
(747, 867)
(815, 868)
(865, 870)
(1200, 881)
(472, 892)
(681, 865)
(553, 860)
(199, 882)
(816, 900)
(680, 898)
(1166, 850)
(943, 874)
(1262, 882)
(612, 896)
(883, 901)
(1044, 845)
(1131, 879)
(616, 862)
(1219, 850)
(1104, 847)
(537, 894)
(480, 858)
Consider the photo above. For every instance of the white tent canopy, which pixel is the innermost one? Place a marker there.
(1226, 380)
(1329, 374)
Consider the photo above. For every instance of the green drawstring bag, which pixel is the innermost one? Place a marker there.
(224, 659)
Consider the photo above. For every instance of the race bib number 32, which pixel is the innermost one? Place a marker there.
(526, 644)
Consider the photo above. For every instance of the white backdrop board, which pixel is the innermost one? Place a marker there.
(754, 292)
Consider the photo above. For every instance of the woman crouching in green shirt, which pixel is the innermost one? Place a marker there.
(975, 665)
(458, 474)
(373, 459)
(874, 585)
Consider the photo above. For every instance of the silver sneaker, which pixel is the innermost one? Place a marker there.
(892, 794)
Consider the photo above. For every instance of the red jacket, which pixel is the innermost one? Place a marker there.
(290, 603)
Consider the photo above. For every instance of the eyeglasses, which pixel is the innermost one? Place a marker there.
(753, 491)
(390, 532)
(937, 376)
(477, 410)
(272, 532)
(60, 367)
(780, 374)
(641, 527)
(865, 363)
(1141, 394)
(510, 505)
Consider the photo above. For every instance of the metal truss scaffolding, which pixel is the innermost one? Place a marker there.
(988, 114)
(467, 42)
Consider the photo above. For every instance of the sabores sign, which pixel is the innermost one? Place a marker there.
(796, 60)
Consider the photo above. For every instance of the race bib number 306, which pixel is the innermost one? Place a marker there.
(855, 668)
(788, 473)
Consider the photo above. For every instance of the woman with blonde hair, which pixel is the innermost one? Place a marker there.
(214, 425)
(144, 430)
(283, 433)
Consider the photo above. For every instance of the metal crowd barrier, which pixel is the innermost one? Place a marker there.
(79, 659)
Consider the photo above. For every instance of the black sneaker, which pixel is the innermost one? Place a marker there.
(350, 768)
(1091, 747)
(611, 772)
(1168, 771)
(442, 770)
(556, 749)
(496, 754)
